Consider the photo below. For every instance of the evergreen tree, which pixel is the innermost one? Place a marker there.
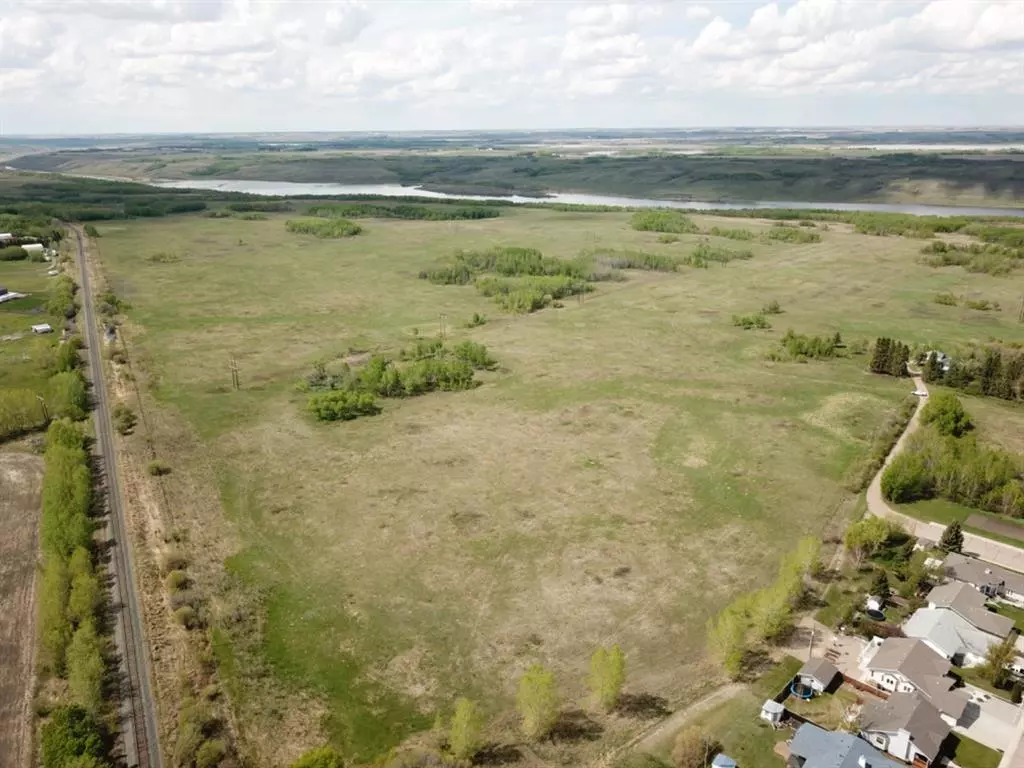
(880, 585)
(880, 356)
(952, 538)
(932, 371)
(991, 372)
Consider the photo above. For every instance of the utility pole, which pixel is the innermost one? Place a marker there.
(234, 373)
(443, 325)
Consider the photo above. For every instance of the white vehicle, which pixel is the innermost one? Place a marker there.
(920, 393)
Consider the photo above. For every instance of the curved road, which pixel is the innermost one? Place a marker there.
(138, 710)
(979, 546)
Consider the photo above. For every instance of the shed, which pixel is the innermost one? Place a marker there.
(818, 674)
(772, 711)
(33, 248)
(723, 761)
(42, 328)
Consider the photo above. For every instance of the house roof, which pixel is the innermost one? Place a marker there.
(834, 749)
(924, 668)
(970, 603)
(820, 669)
(909, 712)
(948, 631)
(978, 572)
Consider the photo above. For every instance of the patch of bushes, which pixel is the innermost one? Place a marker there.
(71, 737)
(946, 413)
(705, 253)
(992, 258)
(801, 347)
(475, 354)
(13, 253)
(176, 581)
(662, 220)
(667, 238)
(772, 308)
(731, 234)
(67, 395)
(340, 405)
(323, 228)
(476, 320)
(264, 206)
(789, 234)
(187, 617)
(983, 305)
(946, 299)
(62, 299)
(628, 259)
(748, 322)
(124, 418)
(91, 231)
(157, 468)
(251, 216)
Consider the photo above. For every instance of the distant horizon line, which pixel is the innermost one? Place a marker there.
(468, 131)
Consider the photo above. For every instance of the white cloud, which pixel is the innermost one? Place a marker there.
(252, 64)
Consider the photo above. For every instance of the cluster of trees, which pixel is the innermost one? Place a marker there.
(71, 596)
(662, 220)
(521, 295)
(787, 233)
(404, 211)
(801, 347)
(765, 615)
(62, 298)
(426, 366)
(30, 227)
(747, 322)
(944, 459)
(989, 371)
(323, 228)
(890, 356)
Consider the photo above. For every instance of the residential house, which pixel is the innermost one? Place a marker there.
(906, 726)
(906, 665)
(969, 603)
(989, 579)
(814, 747)
(949, 635)
(818, 675)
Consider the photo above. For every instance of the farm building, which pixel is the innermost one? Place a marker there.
(33, 249)
(42, 328)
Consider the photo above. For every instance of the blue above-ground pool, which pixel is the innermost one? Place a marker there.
(801, 690)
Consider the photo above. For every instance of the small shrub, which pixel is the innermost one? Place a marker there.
(321, 757)
(747, 322)
(789, 234)
(177, 580)
(339, 405)
(946, 299)
(124, 419)
(157, 468)
(732, 234)
(189, 597)
(173, 560)
(187, 617)
(213, 751)
(983, 305)
(476, 320)
(91, 231)
(667, 238)
(771, 308)
(662, 220)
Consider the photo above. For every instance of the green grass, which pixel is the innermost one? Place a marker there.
(970, 754)
(945, 512)
(391, 564)
(770, 683)
(977, 678)
(829, 710)
(746, 738)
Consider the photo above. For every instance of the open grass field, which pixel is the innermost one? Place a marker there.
(20, 482)
(634, 463)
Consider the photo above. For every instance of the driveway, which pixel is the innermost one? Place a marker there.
(989, 719)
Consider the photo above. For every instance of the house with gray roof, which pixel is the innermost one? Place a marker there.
(906, 726)
(968, 603)
(988, 578)
(950, 635)
(906, 665)
(814, 747)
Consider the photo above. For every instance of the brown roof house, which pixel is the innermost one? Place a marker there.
(907, 665)
(907, 726)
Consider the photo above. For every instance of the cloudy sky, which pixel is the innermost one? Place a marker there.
(80, 66)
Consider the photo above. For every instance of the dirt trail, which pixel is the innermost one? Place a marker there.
(662, 735)
(21, 478)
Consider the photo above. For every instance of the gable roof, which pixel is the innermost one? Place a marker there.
(820, 669)
(979, 572)
(924, 668)
(909, 712)
(970, 604)
(948, 631)
(833, 749)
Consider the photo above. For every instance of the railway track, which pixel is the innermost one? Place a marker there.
(138, 709)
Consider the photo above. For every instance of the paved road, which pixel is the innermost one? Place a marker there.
(993, 551)
(138, 709)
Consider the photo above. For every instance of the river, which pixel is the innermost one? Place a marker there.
(296, 189)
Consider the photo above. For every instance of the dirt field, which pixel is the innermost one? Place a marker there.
(20, 483)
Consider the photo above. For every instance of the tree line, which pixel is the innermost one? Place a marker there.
(989, 371)
(403, 211)
(944, 459)
(71, 603)
(890, 357)
(323, 228)
(756, 618)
